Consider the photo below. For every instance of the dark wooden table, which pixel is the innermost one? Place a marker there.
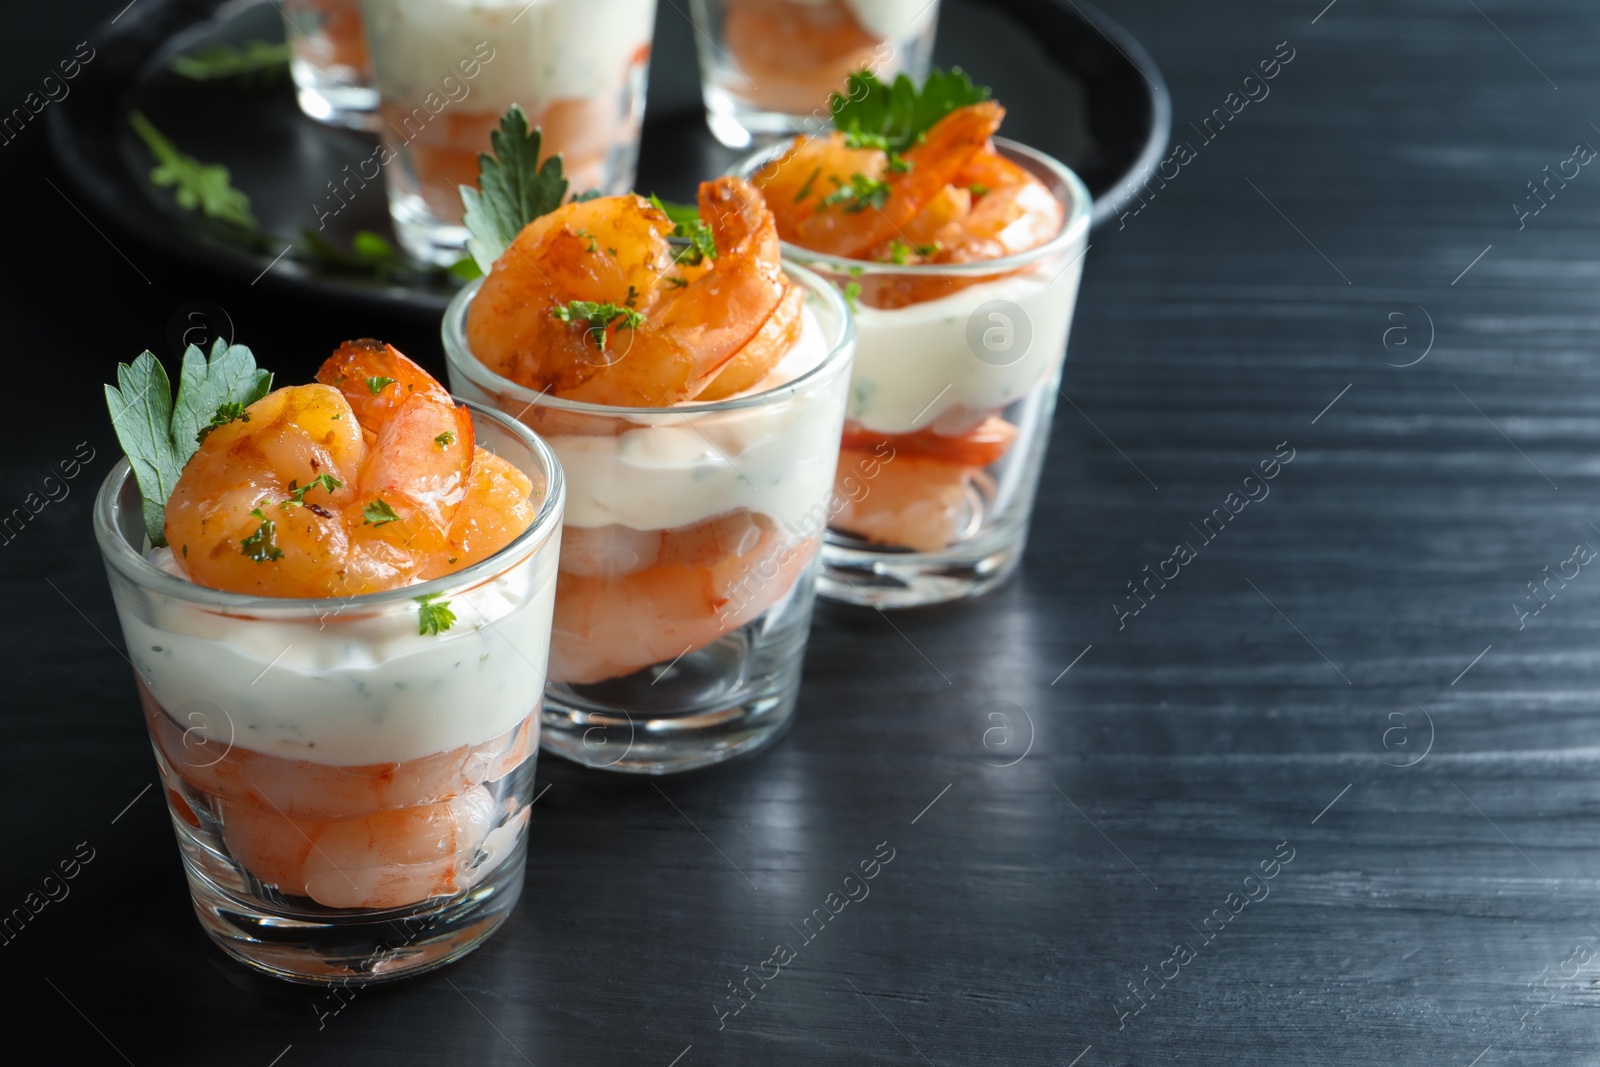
(1342, 675)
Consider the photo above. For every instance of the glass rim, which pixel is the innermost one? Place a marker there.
(458, 355)
(133, 565)
(1074, 227)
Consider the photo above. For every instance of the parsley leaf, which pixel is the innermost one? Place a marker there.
(370, 253)
(852, 293)
(687, 225)
(160, 434)
(434, 616)
(259, 545)
(446, 439)
(893, 117)
(297, 494)
(377, 513)
(676, 213)
(378, 384)
(515, 188)
(195, 184)
(464, 269)
(596, 317)
(254, 63)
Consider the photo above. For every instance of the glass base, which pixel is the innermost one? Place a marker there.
(667, 739)
(334, 101)
(739, 124)
(855, 571)
(731, 698)
(356, 947)
(423, 235)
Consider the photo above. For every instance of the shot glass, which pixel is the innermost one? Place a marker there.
(329, 61)
(447, 72)
(689, 551)
(956, 372)
(768, 67)
(350, 794)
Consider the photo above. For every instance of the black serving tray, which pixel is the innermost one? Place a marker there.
(1074, 84)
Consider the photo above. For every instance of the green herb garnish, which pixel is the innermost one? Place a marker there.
(255, 62)
(977, 189)
(259, 546)
(852, 293)
(446, 439)
(434, 615)
(860, 193)
(297, 493)
(158, 433)
(597, 317)
(900, 252)
(515, 188)
(370, 253)
(687, 224)
(377, 513)
(194, 184)
(226, 413)
(805, 190)
(377, 384)
(893, 117)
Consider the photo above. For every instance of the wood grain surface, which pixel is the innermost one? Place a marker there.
(1056, 833)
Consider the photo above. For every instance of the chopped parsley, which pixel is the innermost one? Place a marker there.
(687, 224)
(677, 283)
(297, 493)
(377, 513)
(226, 413)
(977, 189)
(597, 317)
(259, 546)
(434, 615)
(590, 236)
(378, 384)
(860, 193)
(852, 293)
(805, 190)
(446, 439)
(900, 253)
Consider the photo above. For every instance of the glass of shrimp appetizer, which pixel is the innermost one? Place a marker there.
(693, 386)
(768, 67)
(446, 70)
(336, 599)
(329, 62)
(961, 254)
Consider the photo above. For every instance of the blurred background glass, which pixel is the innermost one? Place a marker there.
(768, 67)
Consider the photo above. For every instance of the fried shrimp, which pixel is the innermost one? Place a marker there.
(348, 486)
(951, 198)
(591, 302)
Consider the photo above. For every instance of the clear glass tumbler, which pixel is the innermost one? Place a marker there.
(689, 551)
(769, 67)
(447, 72)
(956, 372)
(329, 61)
(350, 794)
